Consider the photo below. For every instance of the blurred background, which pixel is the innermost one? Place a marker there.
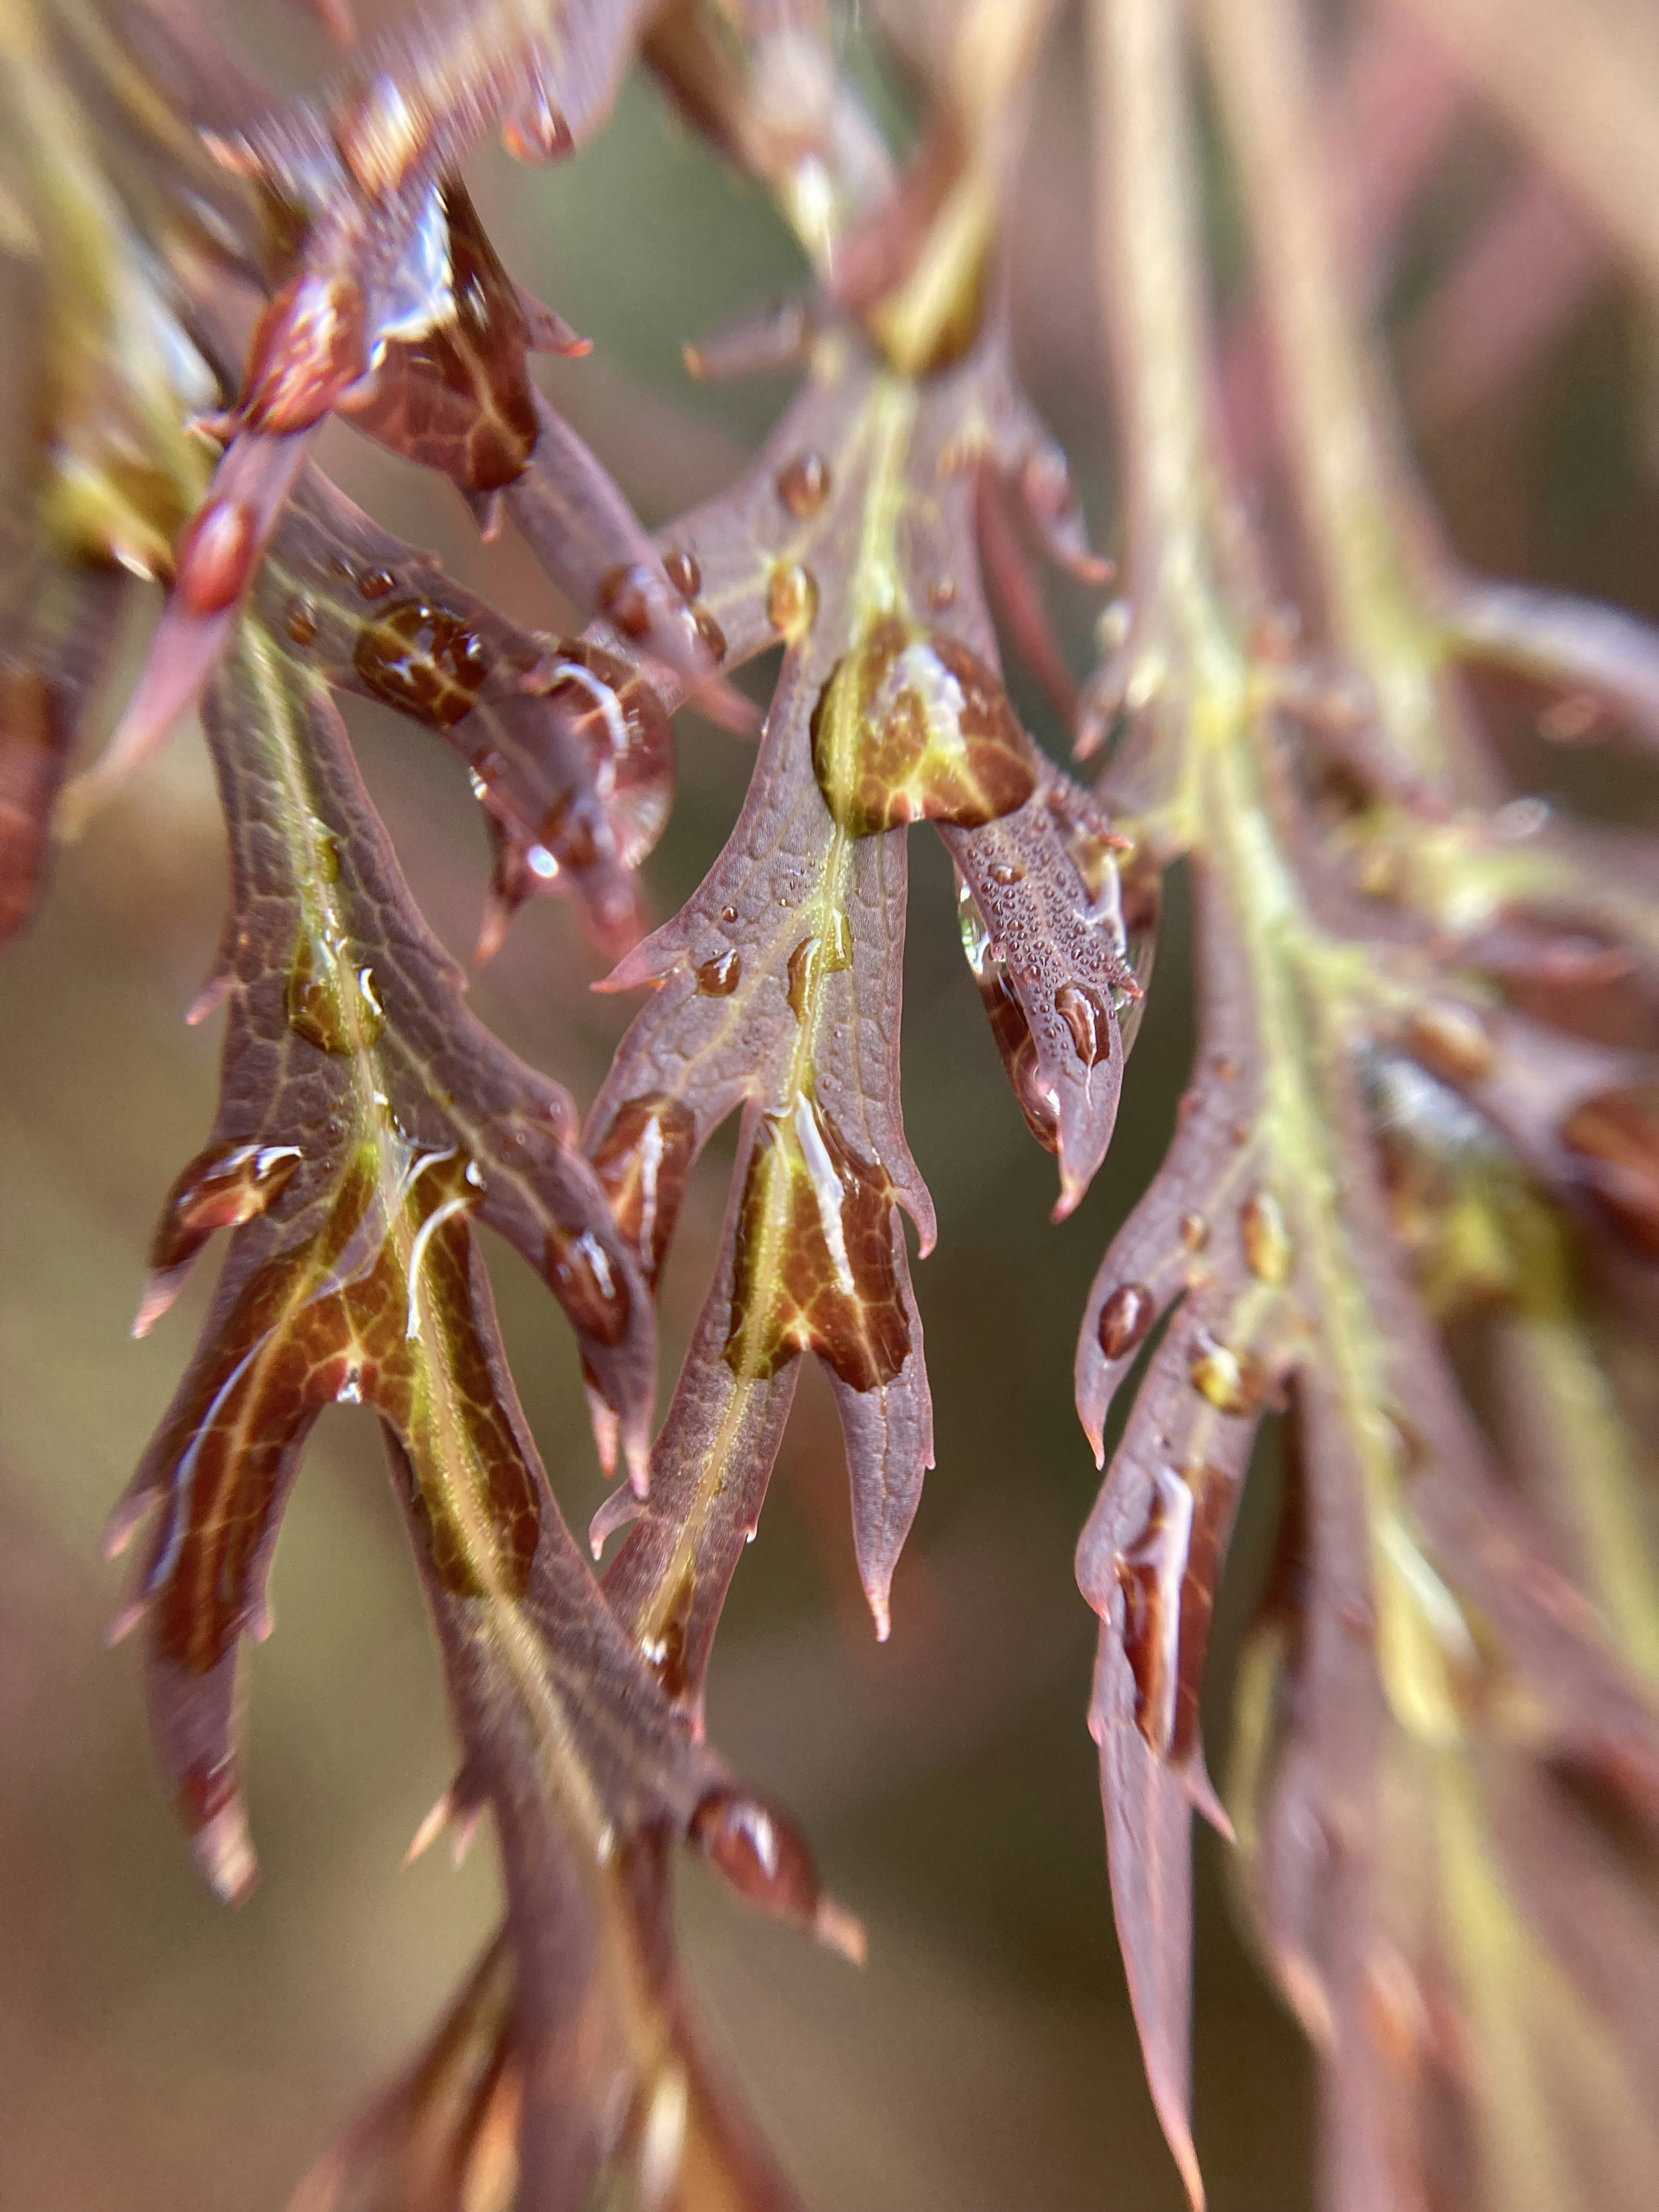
(161, 2051)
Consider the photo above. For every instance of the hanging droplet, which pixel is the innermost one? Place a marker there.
(718, 977)
(912, 726)
(1125, 1317)
(1264, 1236)
(760, 1853)
(536, 132)
(712, 637)
(803, 484)
(301, 621)
(791, 599)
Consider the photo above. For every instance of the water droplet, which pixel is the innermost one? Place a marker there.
(593, 1292)
(301, 621)
(1167, 1576)
(1194, 1231)
(1010, 1030)
(718, 978)
(682, 571)
(1233, 1381)
(1451, 1041)
(941, 593)
(728, 913)
(813, 1268)
(536, 132)
(803, 484)
(1125, 1318)
(630, 741)
(224, 1186)
(801, 964)
(326, 847)
(215, 557)
(664, 1643)
(818, 956)
(624, 598)
(712, 636)
(336, 1015)
(760, 1853)
(642, 1160)
(910, 726)
(421, 659)
(792, 598)
(1090, 1026)
(1006, 874)
(376, 583)
(1264, 1236)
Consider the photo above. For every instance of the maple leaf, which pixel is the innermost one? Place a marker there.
(388, 304)
(365, 1121)
(1362, 1161)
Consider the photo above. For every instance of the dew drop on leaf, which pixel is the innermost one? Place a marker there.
(317, 1003)
(643, 1160)
(682, 572)
(590, 1292)
(912, 726)
(1265, 1237)
(718, 978)
(813, 1268)
(1231, 1381)
(421, 660)
(792, 598)
(624, 598)
(663, 1646)
(1090, 1028)
(803, 484)
(1125, 1318)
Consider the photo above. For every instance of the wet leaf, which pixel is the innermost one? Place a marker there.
(568, 747)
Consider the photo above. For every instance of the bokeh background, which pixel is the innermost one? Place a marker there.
(161, 2052)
